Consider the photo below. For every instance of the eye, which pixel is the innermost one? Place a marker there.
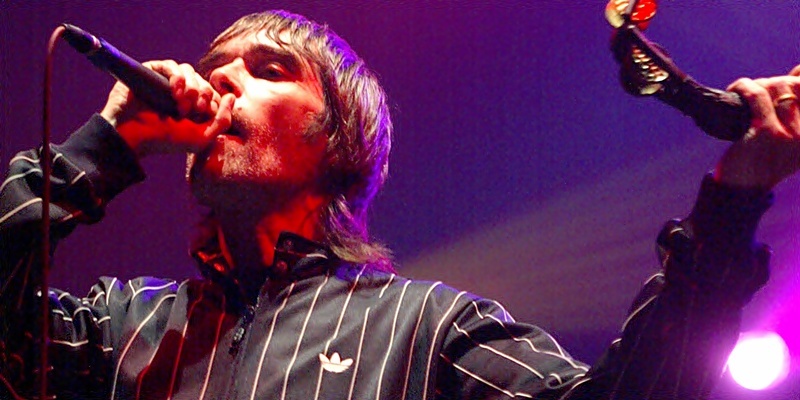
(272, 71)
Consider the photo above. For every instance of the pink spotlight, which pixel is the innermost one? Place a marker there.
(759, 360)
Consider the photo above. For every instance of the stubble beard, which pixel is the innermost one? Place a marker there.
(246, 168)
(251, 170)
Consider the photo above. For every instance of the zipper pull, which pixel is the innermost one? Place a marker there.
(238, 336)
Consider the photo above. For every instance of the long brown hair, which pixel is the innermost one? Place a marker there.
(356, 120)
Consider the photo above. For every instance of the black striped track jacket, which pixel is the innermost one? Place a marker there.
(342, 331)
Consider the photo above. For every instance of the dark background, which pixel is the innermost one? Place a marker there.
(521, 171)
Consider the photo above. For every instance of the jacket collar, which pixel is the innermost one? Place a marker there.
(295, 258)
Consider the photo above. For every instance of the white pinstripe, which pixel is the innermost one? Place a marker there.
(414, 337)
(560, 349)
(110, 288)
(627, 363)
(506, 316)
(433, 340)
(560, 354)
(183, 339)
(95, 297)
(554, 375)
(391, 279)
(79, 309)
(578, 383)
(143, 288)
(391, 340)
(485, 382)
(130, 342)
(144, 371)
(269, 339)
(338, 326)
(637, 311)
(652, 278)
(70, 344)
(17, 176)
(358, 355)
(63, 315)
(300, 338)
(77, 177)
(500, 353)
(20, 208)
(32, 160)
(22, 157)
(213, 350)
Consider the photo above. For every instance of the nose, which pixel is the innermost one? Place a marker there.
(228, 78)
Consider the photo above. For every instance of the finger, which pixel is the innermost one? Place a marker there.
(204, 99)
(759, 101)
(795, 71)
(163, 67)
(192, 92)
(206, 96)
(215, 100)
(788, 113)
(222, 119)
(784, 92)
(177, 81)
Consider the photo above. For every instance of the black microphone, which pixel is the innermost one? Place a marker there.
(146, 84)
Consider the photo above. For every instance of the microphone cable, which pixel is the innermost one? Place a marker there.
(46, 162)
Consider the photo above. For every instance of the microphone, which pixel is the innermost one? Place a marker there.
(146, 84)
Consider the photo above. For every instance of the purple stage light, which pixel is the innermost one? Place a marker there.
(759, 360)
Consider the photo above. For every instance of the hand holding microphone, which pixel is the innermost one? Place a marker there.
(201, 113)
(158, 107)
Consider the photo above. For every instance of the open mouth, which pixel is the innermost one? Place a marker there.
(233, 131)
(237, 128)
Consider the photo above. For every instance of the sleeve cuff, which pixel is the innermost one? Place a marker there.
(713, 252)
(725, 215)
(109, 163)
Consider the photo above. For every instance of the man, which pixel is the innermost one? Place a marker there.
(289, 136)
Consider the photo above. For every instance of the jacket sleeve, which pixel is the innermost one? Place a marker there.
(675, 341)
(88, 170)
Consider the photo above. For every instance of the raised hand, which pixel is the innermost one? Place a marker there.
(770, 152)
(203, 113)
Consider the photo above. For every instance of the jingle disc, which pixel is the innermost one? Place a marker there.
(643, 11)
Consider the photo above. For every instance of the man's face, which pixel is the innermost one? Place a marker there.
(269, 146)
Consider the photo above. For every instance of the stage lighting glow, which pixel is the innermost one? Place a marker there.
(759, 360)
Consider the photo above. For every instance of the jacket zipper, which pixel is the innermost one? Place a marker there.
(238, 336)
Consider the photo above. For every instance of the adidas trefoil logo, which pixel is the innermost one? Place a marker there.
(335, 364)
